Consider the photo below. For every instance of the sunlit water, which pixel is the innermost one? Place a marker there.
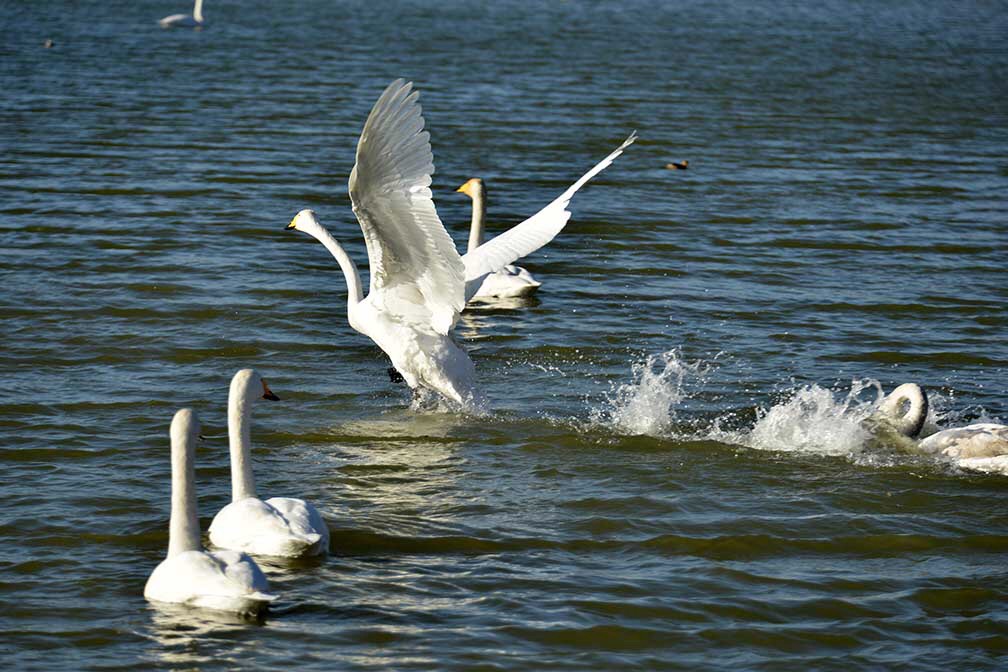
(674, 469)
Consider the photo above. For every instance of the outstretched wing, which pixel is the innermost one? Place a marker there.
(415, 267)
(530, 235)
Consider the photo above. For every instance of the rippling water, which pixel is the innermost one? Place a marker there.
(673, 473)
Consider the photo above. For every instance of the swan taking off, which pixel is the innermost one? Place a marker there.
(906, 408)
(279, 526)
(185, 20)
(222, 580)
(509, 282)
(419, 283)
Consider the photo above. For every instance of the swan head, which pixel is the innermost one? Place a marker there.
(185, 427)
(247, 385)
(305, 220)
(472, 187)
(905, 408)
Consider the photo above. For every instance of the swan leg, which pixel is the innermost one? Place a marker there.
(395, 376)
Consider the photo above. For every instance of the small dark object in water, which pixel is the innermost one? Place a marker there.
(678, 165)
(395, 376)
(48, 44)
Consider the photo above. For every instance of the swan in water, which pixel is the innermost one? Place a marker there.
(185, 20)
(906, 408)
(222, 580)
(510, 281)
(279, 526)
(419, 283)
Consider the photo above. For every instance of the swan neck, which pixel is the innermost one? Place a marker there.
(240, 442)
(197, 11)
(918, 410)
(183, 528)
(910, 421)
(478, 217)
(353, 279)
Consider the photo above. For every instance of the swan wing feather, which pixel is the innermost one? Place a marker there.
(527, 237)
(409, 251)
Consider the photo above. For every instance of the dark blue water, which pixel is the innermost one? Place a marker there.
(672, 474)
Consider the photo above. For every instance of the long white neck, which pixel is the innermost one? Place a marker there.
(353, 280)
(909, 421)
(197, 11)
(240, 439)
(183, 530)
(478, 215)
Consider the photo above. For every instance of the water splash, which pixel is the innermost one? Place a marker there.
(650, 405)
(813, 420)
(425, 401)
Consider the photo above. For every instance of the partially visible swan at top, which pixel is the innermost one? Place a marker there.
(222, 580)
(906, 408)
(419, 283)
(279, 526)
(195, 20)
(510, 281)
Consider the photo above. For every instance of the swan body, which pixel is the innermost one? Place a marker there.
(510, 281)
(195, 20)
(906, 408)
(972, 441)
(221, 580)
(279, 526)
(418, 282)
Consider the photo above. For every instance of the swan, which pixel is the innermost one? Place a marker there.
(222, 580)
(419, 284)
(185, 20)
(510, 281)
(906, 408)
(279, 526)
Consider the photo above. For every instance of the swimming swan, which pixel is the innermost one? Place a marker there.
(185, 20)
(279, 526)
(510, 281)
(907, 407)
(419, 283)
(222, 580)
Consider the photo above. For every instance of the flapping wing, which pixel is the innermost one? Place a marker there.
(409, 250)
(530, 235)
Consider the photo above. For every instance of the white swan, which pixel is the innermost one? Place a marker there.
(510, 281)
(906, 408)
(279, 526)
(419, 283)
(185, 20)
(223, 580)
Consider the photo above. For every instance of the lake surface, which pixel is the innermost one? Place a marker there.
(671, 473)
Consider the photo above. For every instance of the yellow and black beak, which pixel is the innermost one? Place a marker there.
(291, 225)
(268, 394)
